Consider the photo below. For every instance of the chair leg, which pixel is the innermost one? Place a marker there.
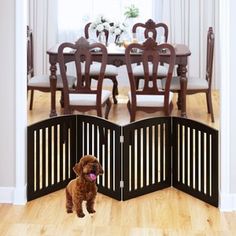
(209, 105)
(179, 101)
(62, 99)
(31, 99)
(108, 108)
(115, 90)
(131, 112)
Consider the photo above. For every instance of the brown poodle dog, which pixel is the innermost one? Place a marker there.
(83, 188)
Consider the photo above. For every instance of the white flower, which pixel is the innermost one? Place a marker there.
(117, 31)
(118, 28)
(99, 27)
(100, 24)
(106, 25)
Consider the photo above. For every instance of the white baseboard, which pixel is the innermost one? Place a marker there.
(13, 195)
(20, 196)
(228, 202)
(6, 194)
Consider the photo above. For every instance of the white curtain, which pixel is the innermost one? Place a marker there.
(188, 22)
(73, 15)
(43, 22)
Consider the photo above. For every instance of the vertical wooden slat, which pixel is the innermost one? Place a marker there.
(106, 174)
(90, 139)
(186, 170)
(44, 173)
(101, 142)
(132, 169)
(55, 154)
(208, 171)
(150, 133)
(197, 159)
(95, 140)
(144, 145)
(85, 138)
(181, 153)
(191, 153)
(66, 143)
(30, 161)
(111, 159)
(202, 162)
(161, 151)
(37, 160)
(138, 159)
(61, 154)
(156, 153)
(49, 144)
(214, 163)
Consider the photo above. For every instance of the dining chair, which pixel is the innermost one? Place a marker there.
(84, 97)
(151, 97)
(199, 85)
(111, 70)
(40, 82)
(157, 31)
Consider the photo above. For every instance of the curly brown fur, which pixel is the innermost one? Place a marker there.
(83, 188)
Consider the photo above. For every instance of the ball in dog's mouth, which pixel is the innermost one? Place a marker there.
(92, 176)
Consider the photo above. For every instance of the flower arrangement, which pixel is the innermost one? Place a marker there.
(100, 24)
(131, 12)
(118, 29)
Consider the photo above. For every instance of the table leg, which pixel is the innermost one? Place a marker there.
(53, 84)
(182, 70)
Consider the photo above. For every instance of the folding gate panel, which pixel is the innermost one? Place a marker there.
(101, 138)
(51, 155)
(147, 156)
(195, 159)
(137, 158)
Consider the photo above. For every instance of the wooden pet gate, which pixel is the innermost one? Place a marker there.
(138, 158)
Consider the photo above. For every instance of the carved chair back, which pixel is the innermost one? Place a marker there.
(151, 29)
(82, 60)
(150, 58)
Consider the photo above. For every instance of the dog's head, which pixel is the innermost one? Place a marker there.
(88, 168)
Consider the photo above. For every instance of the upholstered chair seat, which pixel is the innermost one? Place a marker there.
(44, 82)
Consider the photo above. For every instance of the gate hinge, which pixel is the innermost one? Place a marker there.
(121, 184)
(122, 139)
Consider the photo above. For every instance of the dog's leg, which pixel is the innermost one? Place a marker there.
(90, 205)
(69, 203)
(78, 206)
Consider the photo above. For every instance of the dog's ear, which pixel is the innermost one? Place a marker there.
(100, 169)
(78, 168)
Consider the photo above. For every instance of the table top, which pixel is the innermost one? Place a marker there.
(112, 49)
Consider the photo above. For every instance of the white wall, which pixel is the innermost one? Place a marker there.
(13, 101)
(7, 85)
(232, 96)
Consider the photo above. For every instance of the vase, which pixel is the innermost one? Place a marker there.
(118, 41)
(102, 38)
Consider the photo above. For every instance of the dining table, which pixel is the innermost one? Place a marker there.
(116, 56)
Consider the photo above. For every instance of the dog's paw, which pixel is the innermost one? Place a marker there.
(80, 214)
(91, 211)
(69, 211)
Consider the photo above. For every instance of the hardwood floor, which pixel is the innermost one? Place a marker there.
(196, 109)
(166, 212)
